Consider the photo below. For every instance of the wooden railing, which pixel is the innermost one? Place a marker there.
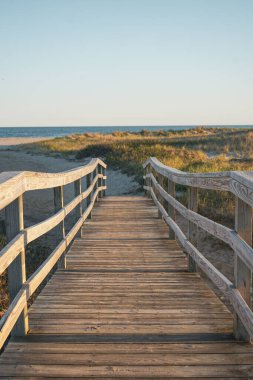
(12, 187)
(160, 183)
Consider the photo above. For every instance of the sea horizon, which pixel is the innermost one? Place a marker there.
(59, 131)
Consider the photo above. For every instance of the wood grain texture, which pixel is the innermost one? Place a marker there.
(57, 219)
(14, 220)
(192, 227)
(240, 239)
(229, 236)
(241, 308)
(242, 274)
(14, 184)
(171, 210)
(127, 307)
(238, 183)
(59, 222)
(79, 207)
(17, 307)
(9, 253)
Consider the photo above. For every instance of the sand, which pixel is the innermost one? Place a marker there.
(38, 205)
(12, 141)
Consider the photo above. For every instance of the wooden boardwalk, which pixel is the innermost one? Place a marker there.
(127, 307)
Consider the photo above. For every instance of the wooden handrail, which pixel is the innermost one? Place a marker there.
(15, 320)
(239, 239)
(238, 183)
(13, 184)
(227, 235)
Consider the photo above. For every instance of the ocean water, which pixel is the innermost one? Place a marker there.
(63, 131)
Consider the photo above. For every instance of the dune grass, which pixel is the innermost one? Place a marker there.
(195, 150)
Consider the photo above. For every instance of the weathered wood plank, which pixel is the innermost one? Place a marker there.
(79, 208)
(14, 184)
(242, 274)
(28, 288)
(238, 183)
(123, 309)
(58, 205)
(14, 221)
(220, 281)
(192, 228)
(227, 235)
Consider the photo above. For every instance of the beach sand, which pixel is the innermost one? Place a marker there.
(14, 141)
(38, 205)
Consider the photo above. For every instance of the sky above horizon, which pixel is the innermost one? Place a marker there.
(126, 62)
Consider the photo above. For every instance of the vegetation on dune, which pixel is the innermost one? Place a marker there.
(130, 155)
(71, 144)
(211, 141)
(230, 142)
(196, 150)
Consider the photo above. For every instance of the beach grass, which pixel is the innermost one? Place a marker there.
(196, 150)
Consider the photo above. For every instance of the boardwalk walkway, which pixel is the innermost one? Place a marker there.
(126, 307)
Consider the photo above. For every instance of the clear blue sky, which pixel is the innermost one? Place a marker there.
(126, 62)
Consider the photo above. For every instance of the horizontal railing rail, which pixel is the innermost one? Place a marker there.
(12, 257)
(240, 239)
(238, 183)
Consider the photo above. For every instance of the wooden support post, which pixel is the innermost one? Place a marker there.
(192, 228)
(147, 180)
(103, 180)
(88, 179)
(79, 209)
(97, 183)
(170, 209)
(14, 221)
(58, 205)
(159, 197)
(156, 175)
(100, 181)
(242, 274)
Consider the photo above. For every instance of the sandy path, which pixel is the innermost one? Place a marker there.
(13, 141)
(39, 204)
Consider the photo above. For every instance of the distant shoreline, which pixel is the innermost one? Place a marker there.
(51, 132)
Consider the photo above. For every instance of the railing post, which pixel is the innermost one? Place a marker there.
(242, 274)
(79, 209)
(170, 208)
(156, 175)
(96, 186)
(147, 180)
(58, 205)
(160, 179)
(14, 220)
(192, 228)
(103, 180)
(88, 199)
(100, 181)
